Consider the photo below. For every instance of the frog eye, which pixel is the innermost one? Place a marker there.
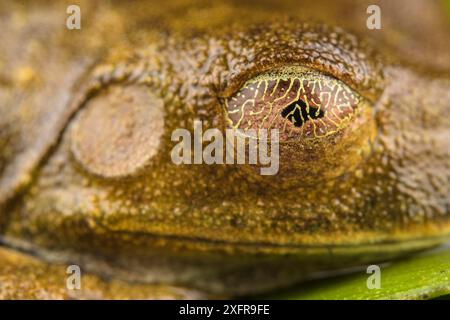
(299, 102)
(325, 128)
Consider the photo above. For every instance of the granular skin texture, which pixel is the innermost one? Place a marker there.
(94, 185)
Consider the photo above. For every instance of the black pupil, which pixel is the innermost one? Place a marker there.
(298, 113)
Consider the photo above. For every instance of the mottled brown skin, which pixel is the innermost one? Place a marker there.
(86, 178)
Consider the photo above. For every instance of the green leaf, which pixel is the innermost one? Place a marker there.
(424, 276)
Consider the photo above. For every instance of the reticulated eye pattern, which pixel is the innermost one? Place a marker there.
(299, 102)
(298, 113)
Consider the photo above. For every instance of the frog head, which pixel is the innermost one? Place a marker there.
(362, 144)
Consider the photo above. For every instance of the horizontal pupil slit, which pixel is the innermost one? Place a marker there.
(298, 113)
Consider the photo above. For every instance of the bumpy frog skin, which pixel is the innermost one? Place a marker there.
(85, 140)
